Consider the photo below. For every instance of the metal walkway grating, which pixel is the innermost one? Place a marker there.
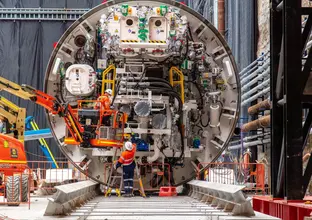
(154, 208)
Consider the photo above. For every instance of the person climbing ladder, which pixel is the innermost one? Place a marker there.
(126, 160)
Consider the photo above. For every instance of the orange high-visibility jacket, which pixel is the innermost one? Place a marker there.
(104, 102)
(126, 157)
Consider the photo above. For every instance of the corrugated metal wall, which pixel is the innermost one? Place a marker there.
(25, 46)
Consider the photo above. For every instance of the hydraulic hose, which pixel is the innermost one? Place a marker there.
(116, 92)
(201, 96)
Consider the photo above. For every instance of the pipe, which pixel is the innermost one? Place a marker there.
(263, 92)
(249, 144)
(250, 71)
(255, 80)
(157, 145)
(215, 13)
(254, 125)
(255, 73)
(255, 89)
(259, 106)
(172, 93)
(251, 137)
(215, 119)
(254, 63)
(221, 20)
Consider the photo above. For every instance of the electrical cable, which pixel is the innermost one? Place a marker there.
(189, 32)
(201, 121)
(117, 90)
(201, 96)
(61, 90)
(143, 74)
(161, 84)
(37, 155)
(155, 79)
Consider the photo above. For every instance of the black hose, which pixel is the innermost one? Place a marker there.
(201, 96)
(182, 140)
(117, 90)
(160, 84)
(189, 32)
(201, 122)
(187, 50)
(61, 90)
(151, 79)
(155, 79)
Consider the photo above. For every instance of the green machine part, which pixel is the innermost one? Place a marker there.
(163, 10)
(124, 9)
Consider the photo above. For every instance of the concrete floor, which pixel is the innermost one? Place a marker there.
(21, 212)
(154, 208)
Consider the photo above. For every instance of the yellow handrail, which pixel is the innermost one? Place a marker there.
(179, 82)
(108, 81)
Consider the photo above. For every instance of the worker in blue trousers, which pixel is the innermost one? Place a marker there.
(126, 160)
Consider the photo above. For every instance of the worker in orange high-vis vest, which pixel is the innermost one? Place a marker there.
(126, 160)
(103, 103)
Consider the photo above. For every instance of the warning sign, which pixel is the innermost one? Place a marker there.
(14, 153)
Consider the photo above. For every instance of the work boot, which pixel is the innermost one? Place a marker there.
(126, 195)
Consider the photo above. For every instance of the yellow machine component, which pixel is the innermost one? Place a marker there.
(75, 128)
(157, 41)
(129, 41)
(13, 161)
(174, 71)
(14, 115)
(108, 79)
(220, 81)
(15, 89)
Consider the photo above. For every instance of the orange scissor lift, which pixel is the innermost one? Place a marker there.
(84, 133)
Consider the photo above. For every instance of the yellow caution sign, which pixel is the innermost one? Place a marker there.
(129, 41)
(157, 41)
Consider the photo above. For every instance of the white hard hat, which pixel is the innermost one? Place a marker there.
(109, 91)
(128, 145)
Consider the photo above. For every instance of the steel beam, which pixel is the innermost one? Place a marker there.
(306, 70)
(307, 101)
(293, 90)
(307, 127)
(306, 10)
(306, 33)
(307, 175)
(276, 111)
